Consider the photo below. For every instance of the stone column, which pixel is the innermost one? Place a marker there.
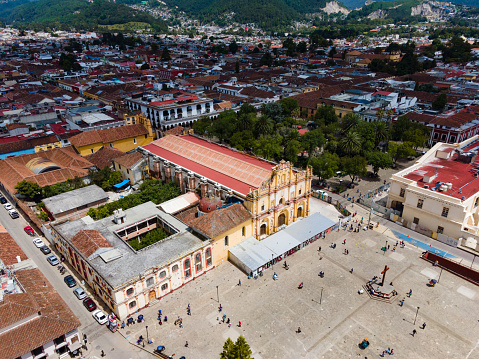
(191, 183)
(204, 188)
(179, 179)
(157, 169)
(167, 169)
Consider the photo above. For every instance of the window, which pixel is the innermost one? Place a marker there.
(198, 262)
(111, 144)
(416, 220)
(476, 203)
(243, 231)
(227, 241)
(208, 257)
(129, 291)
(436, 136)
(146, 136)
(443, 137)
(445, 211)
(300, 191)
(163, 273)
(281, 201)
(402, 192)
(132, 304)
(174, 268)
(187, 266)
(452, 139)
(164, 286)
(92, 150)
(420, 202)
(440, 229)
(262, 207)
(134, 141)
(150, 281)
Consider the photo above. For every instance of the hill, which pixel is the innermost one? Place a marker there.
(355, 4)
(78, 14)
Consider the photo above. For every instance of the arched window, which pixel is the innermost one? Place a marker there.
(208, 257)
(187, 266)
(129, 291)
(162, 274)
(198, 262)
(132, 304)
(281, 201)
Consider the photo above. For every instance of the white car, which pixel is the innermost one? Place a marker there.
(8, 206)
(38, 242)
(99, 316)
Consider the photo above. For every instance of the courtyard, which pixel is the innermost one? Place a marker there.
(332, 316)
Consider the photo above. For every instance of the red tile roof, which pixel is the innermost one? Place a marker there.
(108, 135)
(9, 249)
(88, 241)
(232, 169)
(45, 313)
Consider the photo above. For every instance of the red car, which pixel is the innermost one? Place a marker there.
(29, 230)
(89, 304)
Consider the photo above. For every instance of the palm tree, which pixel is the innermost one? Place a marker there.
(380, 114)
(389, 114)
(264, 126)
(381, 133)
(350, 143)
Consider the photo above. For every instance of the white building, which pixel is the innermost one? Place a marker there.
(439, 194)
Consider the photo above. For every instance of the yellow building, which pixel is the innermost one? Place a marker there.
(341, 108)
(276, 194)
(124, 138)
(225, 228)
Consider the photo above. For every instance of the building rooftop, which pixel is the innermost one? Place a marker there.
(230, 168)
(70, 200)
(127, 264)
(460, 175)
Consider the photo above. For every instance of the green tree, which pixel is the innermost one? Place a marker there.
(246, 121)
(243, 140)
(291, 151)
(380, 114)
(31, 190)
(266, 59)
(312, 140)
(268, 147)
(241, 349)
(354, 166)
(402, 150)
(233, 47)
(202, 125)
(273, 110)
(228, 350)
(350, 143)
(225, 125)
(326, 165)
(237, 67)
(379, 160)
(325, 115)
(263, 126)
(381, 133)
(165, 54)
(245, 109)
(439, 102)
(288, 104)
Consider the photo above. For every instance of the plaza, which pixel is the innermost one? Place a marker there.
(332, 316)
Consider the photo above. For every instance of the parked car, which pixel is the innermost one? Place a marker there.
(89, 304)
(70, 281)
(14, 214)
(79, 293)
(8, 206)
(29, 230)
(53, 260)
(38, 242)
(45, 250)
(3, 200)
(99, 316)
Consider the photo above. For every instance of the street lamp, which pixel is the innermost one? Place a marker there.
(416, 315)
(217, 294)
(272, 263)
(439, 275)
(321, 298)
(147, 335)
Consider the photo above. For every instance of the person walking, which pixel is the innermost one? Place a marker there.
(239, 324)
(351, 271)
(186, 344)
(239, 283)
(220, 308)
(299, 330)
(410, 293)
(414, 332)
(424, 325)
(401, 303)
(102, 354)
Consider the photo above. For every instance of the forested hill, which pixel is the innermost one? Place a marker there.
(265, 13)
(78, 14)
(355, 4)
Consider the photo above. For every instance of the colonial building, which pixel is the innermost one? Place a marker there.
(439, 194)
(106, 254)
(166, 113)
(275, 194)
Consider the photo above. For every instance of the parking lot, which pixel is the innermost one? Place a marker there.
(332, 316)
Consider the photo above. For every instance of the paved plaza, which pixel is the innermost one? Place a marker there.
(333, 317)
